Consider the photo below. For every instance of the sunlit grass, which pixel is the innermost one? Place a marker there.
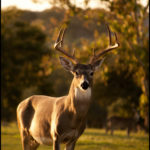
(92, 139)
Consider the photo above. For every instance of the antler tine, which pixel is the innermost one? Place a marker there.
(73, 53)
(58, 37)
(109, 33)
(59, 45)
(116, 38)
(62, 37)
(93, 52)
(110, 47)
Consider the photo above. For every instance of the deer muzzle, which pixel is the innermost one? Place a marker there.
(85, 85)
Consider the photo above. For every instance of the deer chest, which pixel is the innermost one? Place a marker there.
(69, 130)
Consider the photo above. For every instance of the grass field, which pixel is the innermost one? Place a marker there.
(92, 139)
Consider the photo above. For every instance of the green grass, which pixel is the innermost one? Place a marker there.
(92, 139)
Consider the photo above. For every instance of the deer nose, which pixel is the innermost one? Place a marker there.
(85, 85)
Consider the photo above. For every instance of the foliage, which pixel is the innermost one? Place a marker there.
(22, 48)
(30, 53)
(134, 40)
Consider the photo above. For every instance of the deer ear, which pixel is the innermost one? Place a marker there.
(97, 64)
(67, 64)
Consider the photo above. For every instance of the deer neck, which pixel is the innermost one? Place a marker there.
(78, 100)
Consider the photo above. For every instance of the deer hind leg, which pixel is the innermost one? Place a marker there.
(28, 143)
(106, 129)
(112, 131)
(128, 132)
(25, 114)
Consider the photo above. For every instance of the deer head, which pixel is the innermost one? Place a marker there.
(83, 73)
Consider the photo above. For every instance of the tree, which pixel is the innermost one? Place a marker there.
(131, 22)
(117, 84)
(22, 48)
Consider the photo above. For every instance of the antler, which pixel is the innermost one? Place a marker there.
(110, 47)
(59, 45)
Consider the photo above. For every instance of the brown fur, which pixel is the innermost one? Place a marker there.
(47, 120)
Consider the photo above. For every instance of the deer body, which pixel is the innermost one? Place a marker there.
(116, 122)
(46, 120)
(60, 119)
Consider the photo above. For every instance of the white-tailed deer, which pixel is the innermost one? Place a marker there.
(115, 122)
(46, 120)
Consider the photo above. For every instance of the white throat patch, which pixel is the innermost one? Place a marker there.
(82, 94)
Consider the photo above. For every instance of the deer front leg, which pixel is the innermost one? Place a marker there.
(56, 144)
(70, 145)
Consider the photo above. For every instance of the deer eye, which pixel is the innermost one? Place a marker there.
(91, 73)
(77, 73)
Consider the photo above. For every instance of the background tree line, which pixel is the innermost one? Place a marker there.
(30, 65)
